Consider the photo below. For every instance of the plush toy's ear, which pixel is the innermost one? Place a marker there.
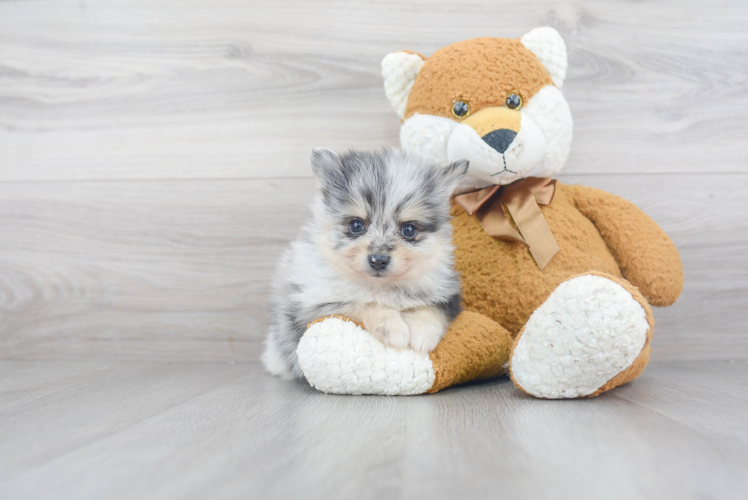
(399, 70)
(547, 44)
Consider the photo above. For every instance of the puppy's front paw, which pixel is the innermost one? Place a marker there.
(427, 327)
(388, 326)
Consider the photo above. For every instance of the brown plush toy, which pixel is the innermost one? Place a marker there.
(557, 280)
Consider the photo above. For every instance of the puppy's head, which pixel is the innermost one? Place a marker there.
(383, 216)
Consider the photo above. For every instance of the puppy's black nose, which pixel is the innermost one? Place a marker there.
(377, 261)
(500, 139)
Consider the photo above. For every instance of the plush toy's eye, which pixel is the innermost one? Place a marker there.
(460, 109)
(513, 101)
(408, 231)
(356, 226)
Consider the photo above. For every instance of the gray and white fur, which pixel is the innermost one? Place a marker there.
(377, 248)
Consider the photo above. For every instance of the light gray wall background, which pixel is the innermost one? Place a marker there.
(154, 154)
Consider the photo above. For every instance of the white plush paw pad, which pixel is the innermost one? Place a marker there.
(589, 330)
(339, 357)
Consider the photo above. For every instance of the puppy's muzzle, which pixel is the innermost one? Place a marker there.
(379, 261)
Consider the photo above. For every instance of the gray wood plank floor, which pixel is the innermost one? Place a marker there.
(141, 429)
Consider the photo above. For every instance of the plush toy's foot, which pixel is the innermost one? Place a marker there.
(341, 357)
(592, 334)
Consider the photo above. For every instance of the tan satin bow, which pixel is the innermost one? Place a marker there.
(521, 199)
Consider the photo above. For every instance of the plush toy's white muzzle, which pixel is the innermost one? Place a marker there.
(539, 149)
(498, 163)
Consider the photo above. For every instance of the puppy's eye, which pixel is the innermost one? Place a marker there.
(460, 109)
(513, 101)
(408, 231)
(356, 226)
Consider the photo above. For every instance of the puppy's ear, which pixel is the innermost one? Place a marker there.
(326, 165)
(453, 174)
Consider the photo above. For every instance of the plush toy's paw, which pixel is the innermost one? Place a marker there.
(340, 357)
(590, 330)
(427, 327)
(388, 326)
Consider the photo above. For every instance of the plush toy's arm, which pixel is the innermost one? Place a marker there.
(646, 255)
(339, 356)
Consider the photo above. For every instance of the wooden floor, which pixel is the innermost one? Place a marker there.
(117, 430)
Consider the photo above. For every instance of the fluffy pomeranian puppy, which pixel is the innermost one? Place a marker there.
(378, 249)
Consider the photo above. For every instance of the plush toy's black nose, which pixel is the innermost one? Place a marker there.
(500, 139)
(378, 261)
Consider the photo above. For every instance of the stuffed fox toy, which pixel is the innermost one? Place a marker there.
(558, 280)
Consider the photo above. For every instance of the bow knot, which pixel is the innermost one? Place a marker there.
(522, 199)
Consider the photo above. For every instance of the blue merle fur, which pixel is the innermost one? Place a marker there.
(386, 182)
